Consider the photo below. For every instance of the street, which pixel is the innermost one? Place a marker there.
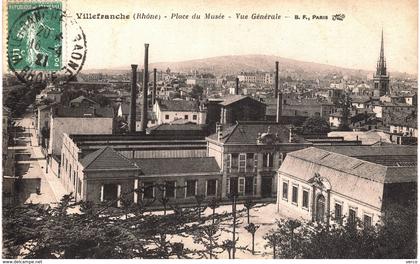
(31, 165)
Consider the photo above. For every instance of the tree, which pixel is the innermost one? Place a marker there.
(197, 91)
(99, 231)
(344, 103)
(213, 204)
(248, 204)
(316, 125)
(252, 229)
(395, 236)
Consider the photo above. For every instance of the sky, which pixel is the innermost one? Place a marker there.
(352, 43)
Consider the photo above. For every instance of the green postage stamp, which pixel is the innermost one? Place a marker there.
(43, 43)
(35, 35)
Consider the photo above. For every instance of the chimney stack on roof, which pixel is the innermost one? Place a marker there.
(276, 81)
(219, 131)
(143, 124)
(132, 115)
(279, 107)
(154, 87)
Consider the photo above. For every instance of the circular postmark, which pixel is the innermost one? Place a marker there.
(45, 45)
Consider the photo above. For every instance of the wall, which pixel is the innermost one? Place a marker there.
(350, 190)
(69, 125)
(222, 156)
(161, 117)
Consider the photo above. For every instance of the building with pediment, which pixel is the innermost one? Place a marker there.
(249, 154)
(340, 183)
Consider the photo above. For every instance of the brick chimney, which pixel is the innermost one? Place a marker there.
(132, 114)
(276, 81)
(279, 107)
(143, 124)
(237, 86)
(154, 88)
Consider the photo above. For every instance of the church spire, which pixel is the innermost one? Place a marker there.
(382, 45)
(381, 65)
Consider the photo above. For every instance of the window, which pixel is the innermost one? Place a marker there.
(149, 190)
(268, 160)
(255, 162)
(186, 117)
(249, 182)
(166, 117)
(285, 190)
(305, 199)
(294, 194)
(170, 189)
(211, 187)
(280, 159)
(338, 213)
(367, 220)
(79, 187)
(234, 161)
(242, 162)
(233, 185)
(191, 188)
(249, 161)
(352, 215)
(241, 186)
(194, 117)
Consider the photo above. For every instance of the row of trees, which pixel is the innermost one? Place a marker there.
(134, 231)
(129, 231)
(394, 237)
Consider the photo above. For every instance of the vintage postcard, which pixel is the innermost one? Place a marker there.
(140, 129)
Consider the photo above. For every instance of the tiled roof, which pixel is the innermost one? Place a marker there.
(357, 166)
(164, 166)
(360, 99)
(401, 174)
(358, 151)
(247, 132)
(236, 98)
(181, 127)
(66, 111)
(81, 99)
(178, 105)
(107, 159)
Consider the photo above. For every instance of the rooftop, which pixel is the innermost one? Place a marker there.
(374, 171)
(178, 105)
(228, 100)
(248, 132)
(67, 111)
(163, 166)
(107, 158)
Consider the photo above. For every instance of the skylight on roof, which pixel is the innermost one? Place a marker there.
(357, 165)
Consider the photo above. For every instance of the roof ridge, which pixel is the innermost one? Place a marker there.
(124, 157)
(100, 151)
(231, 132)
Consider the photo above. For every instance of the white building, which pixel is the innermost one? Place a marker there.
(167, 111)
(346, 182)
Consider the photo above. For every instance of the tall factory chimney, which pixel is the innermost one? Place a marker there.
(237, 86)
(154, 87)
(143, 124)
(279, 107)
(132, 123)
(276, 80)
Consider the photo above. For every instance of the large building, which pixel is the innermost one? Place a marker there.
(332, 183)
(249, 154)
(381, 77)
(103, 167)
(167, 111)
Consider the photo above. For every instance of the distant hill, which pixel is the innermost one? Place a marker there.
(247, 63)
